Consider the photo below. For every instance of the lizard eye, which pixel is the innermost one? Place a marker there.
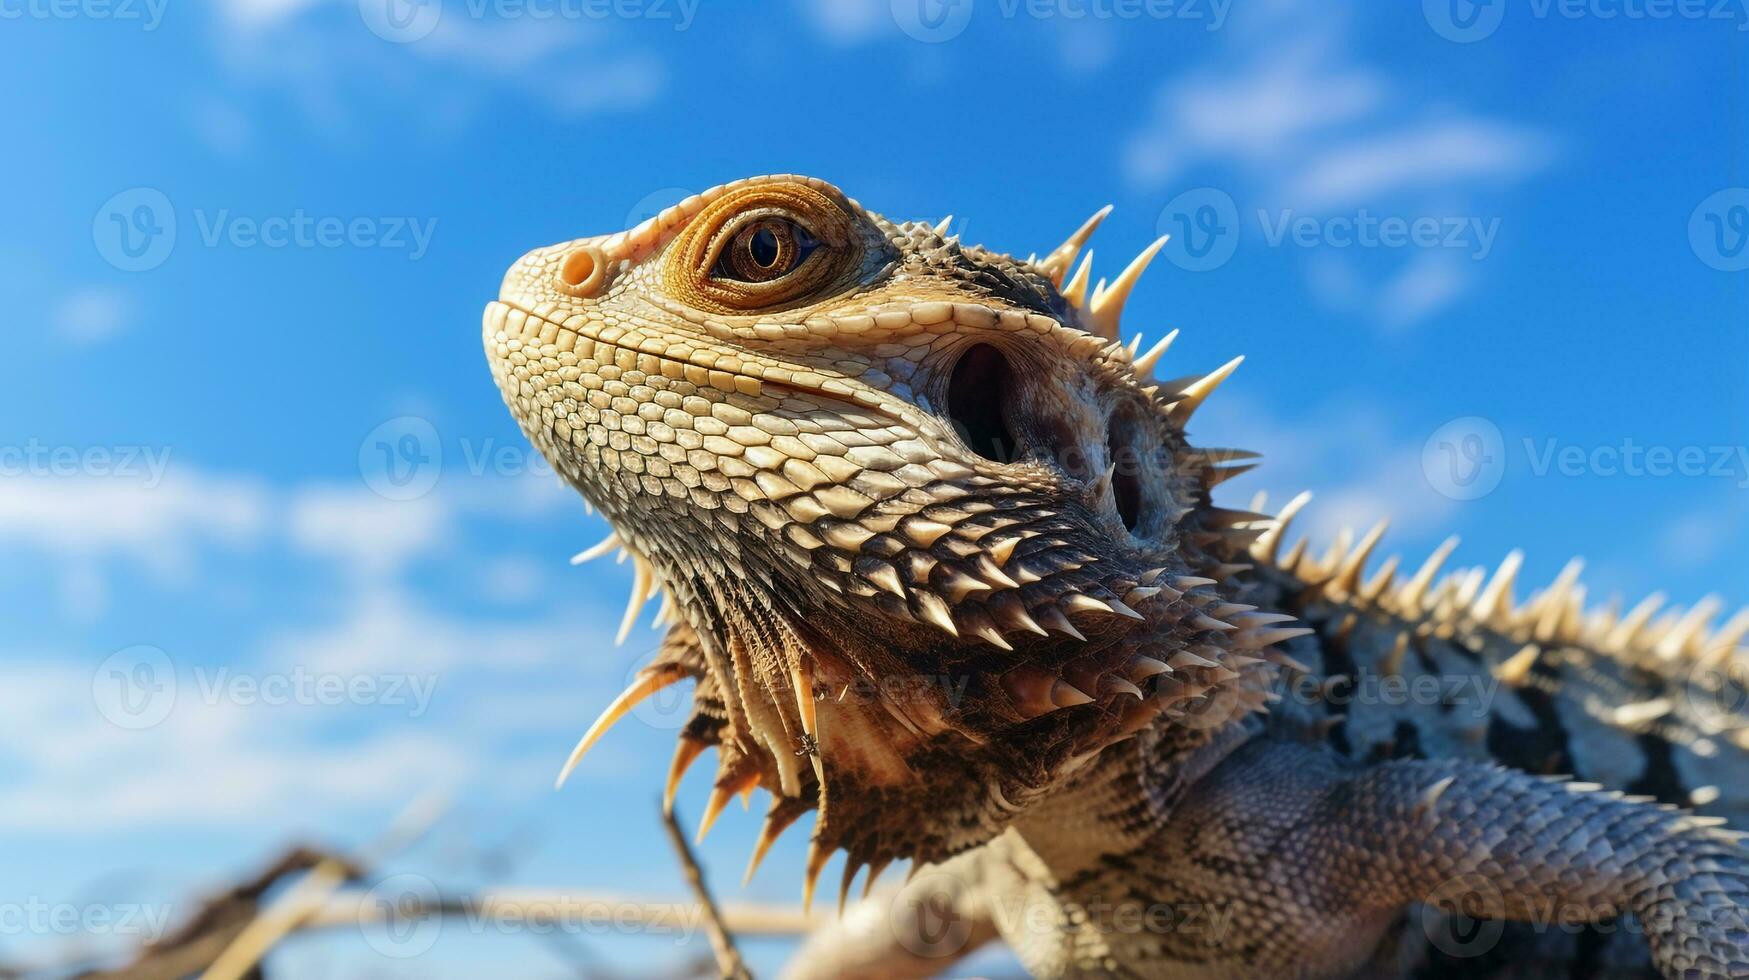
(765, 249)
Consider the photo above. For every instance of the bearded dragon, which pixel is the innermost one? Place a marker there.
(936, 551)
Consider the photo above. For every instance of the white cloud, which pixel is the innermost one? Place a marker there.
(614, 76)
(385, 630)
(1395, 489)
(1258, 114)
(321, 55)
(206, 765)
(1700, 536)
(157, 526)
(1359, 469)
(846, 21)
(136, 507)
(369, 534)
(220, 123)
(1426, 284)
(1301, 128)
(1086, 46)
(1424, 156)
(514, 578)
(256, 14)
(91, 314)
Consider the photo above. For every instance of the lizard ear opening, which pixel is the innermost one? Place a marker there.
(1126, 477)
(977, 395)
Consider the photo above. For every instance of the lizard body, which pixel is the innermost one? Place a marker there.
(945, 568)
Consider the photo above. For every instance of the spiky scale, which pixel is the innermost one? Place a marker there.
(935, 612)
(1055, 265)
(650, 680)
(777, 820)
(1013, 615)
(1628, 630)
(1001, 550)
(1144, 365)
(1347, 578)
(643, 578)
(1496, 600)
(851, 867)
(1515, 670)
(1143, 667)
(1053, 619)
(686, 750)
(818, 854)
(1412, 594)
(726, 789)
(1076, 291)
(1253, 639)
(1122, 609)
(992, 636)
(594, 551)
(1191, 396)
(875, 869)
(1692, 624)
(1107, 306)
(1113, 684)
(1392, 665)
(881, 574)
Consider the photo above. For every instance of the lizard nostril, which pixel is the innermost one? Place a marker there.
(583, 271)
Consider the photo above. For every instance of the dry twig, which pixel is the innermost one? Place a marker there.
(728, 957)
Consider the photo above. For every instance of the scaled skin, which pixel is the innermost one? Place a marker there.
(944, 567)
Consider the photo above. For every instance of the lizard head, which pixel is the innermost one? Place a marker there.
(929, 537)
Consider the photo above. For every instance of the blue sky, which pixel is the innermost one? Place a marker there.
(250, 470)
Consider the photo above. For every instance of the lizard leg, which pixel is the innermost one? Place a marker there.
(1297, 842)
(917, 930)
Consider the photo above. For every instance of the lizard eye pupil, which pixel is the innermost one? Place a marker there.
(763, 250)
